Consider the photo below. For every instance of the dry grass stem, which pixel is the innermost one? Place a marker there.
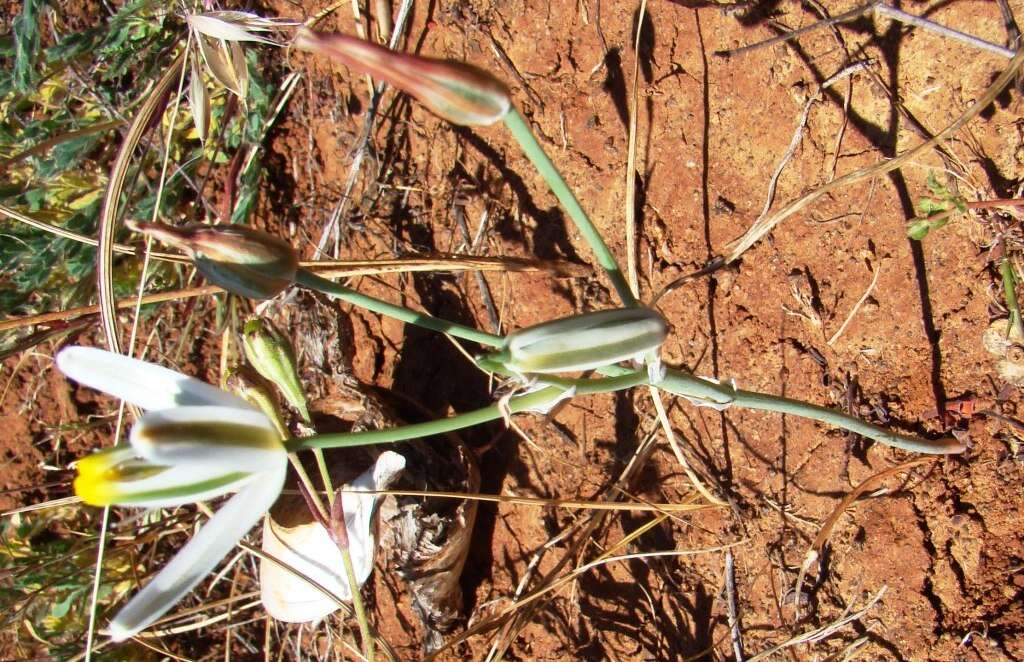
(817, 634)
(325, 268)
(587, 532)
(735, 634)
(794, 143)
(46, 145)
(826, 528)
(856, 307)
(571, 576)
(115, 187)
(764, 225)
(544, 503)
(631, 175)
(673, 442)
(75, 236)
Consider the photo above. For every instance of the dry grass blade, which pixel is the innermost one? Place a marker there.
(588, 529)
(631, 238)
(673, 442)
(220, 59)
(234, 26)
(511, 631)
(75, 236)
(544, 503)
(826, 528)
(179, 615)
(43, 505)
(108, 215)
(446, 262)
(824, 631)
(44, 146)
(198, 625)
(326, 268)
(765, 225)
(798, 133)
(240, 68)
(121, 304)
(856, 307)
(574, 574)
(385, 646)
(198, 99)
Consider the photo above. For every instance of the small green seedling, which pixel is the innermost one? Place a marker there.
(935, 211)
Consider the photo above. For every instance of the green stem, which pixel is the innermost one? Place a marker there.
(530, 401)
(325, 475)
(675, 382)
(532, 149)
(357, 604)
(1010, 292)
(311, 281)
(314, 493)
(689, 386)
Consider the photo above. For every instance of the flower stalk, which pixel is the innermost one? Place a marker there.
(532, 149)
(676, 382)
(339, 532)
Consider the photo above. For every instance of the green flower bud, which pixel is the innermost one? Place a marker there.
(456, 91)
(270, 353)
(583, 342)
(242, 260)
(249, 385)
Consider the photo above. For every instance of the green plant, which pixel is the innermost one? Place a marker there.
(48, 578)
(935, 211)
(61, 108)
(538, 387)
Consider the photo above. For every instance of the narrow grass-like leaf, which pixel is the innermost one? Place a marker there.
(26, 44)
(108, 219)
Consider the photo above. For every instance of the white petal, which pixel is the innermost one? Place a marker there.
(359, 509)
(224, 437)
(143, 384)
(179, 485)
(310, 550)
(200, 555)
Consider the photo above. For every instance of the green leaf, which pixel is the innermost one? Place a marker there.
(26, 45)
(935, 187)
(60, 609)
(930, 207)
(919, 229)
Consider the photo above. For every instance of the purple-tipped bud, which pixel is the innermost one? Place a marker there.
(456, 91)
(242, 260)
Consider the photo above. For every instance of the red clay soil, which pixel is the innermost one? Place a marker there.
(945, 540)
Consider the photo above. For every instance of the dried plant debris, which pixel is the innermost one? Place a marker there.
(1004, 341)
(428, 539)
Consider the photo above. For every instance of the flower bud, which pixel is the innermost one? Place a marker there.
(456, 91)
(249, 385)
(270, 353)
(243, 261)
(584, 342)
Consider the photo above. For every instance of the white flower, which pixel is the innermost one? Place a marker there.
(195, 442)
(291, 535)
